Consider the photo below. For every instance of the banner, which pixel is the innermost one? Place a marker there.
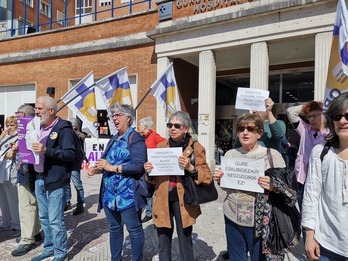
(28, 133)
(165, 90)
(81, 100)
(336, 82)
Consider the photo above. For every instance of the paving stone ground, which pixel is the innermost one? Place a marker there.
(88, 237)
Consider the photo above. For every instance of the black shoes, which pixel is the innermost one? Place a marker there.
(23, 249)
(67, 207)
(145, 219)
(78, 210)
(225, 255)
(37, 238)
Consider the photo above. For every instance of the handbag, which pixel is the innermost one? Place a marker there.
(196, 194)
(285, 220)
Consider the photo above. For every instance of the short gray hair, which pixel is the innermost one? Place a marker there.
(48, 101)
(183, 117)
(27, 109)
(147, 122)
(126, 110)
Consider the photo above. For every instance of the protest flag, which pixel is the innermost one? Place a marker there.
(115, 89)
(337, 77)
(165, 90)
(81, 100)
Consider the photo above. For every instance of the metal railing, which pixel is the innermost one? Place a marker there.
(14, 27)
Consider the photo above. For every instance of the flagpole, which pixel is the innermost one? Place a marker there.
(142, 99)
(77, 95)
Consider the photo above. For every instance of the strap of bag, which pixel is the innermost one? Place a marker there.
(193, 158)
(270, 158)
(325, 151)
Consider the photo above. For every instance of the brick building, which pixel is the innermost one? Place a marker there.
(278, 45)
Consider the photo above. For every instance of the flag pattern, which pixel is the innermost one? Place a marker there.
(336, 82)
(165, 90)
(81, 100)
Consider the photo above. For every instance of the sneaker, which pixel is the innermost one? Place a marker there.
(42, 256)
(61, 258)
(23, 249)
(225, 255)
(67, 207)
(145, 219)
(78, 210)
(14, 233)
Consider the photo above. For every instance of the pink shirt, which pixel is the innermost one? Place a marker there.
(307, 142)
(43, 138)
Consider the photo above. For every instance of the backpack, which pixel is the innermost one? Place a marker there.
(143, 186)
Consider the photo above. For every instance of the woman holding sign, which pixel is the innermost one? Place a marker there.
(168, 202)
(244, 210)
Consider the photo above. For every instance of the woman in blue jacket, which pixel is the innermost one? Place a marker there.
(122, 165)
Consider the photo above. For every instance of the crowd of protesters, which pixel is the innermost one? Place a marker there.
(35, 196)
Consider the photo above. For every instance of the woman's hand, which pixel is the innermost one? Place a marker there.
(265, 183)
(92, 171)
(148, 167)
(217, 175)
(312, 246)
(185, 163)
(103, 164)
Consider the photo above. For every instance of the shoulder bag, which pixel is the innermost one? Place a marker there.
(198, 194)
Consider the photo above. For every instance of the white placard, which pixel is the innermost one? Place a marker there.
(242, 173)
(251, 99)
(165, 161)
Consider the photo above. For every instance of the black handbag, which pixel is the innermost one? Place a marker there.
(285, 220)
(198, 194)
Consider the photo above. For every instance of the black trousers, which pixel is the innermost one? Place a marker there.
(184, 236)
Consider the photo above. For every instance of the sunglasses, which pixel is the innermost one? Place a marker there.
(176, 125)
(338, 117)
(248, 128)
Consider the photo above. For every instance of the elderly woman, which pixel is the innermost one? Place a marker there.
(244, 233)
(122, 165)
(168, 200)
(8, 178)
(325, 201)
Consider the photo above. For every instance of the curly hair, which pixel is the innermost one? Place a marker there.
(312, 106)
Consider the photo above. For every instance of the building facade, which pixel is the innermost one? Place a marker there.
(217, 46)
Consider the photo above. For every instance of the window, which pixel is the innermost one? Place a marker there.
(104, 2)
(21, 29)
(60, 18)
(84, 5)
(29, 2)
(45, 9)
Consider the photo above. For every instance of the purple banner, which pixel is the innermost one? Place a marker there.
(25, 155)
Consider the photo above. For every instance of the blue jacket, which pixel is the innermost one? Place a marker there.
(59, 155)
(138, 155)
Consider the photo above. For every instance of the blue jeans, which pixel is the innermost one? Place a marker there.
(327, 255)
(148, 207)
(132, 219)
(51, 213)
(240, 241)
(76, 179)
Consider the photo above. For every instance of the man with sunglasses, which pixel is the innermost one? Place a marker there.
(309, 123)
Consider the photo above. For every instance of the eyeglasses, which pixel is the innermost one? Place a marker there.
(248, 128)
(338, 117)
(19, 112)
(308, 117)
(117, 115)
(176, 125)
